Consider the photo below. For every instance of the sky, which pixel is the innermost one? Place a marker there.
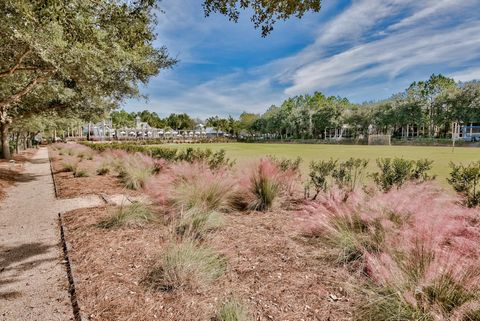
(360, 49)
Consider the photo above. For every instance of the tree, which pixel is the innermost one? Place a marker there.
(426, 92)
(265, 12)
(80, 52)
(122, 119)
(180, 121)
(246, 121)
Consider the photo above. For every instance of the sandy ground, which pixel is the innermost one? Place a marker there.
(33, 281)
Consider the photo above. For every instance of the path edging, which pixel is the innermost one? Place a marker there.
(77, 313)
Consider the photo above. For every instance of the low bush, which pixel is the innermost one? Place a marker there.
(198, 223)
(320, 175)
(232, 310)
(187, 265)
(395, 172)
(134, 214)
(465, 179)
(350, 174)
(214, 160)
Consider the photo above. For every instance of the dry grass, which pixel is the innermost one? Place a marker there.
(271, 271)
(133, 215)
(187, 265)
(232, 310)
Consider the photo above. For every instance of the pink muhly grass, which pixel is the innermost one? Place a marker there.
(425, 251)
(192, 185)
(263, 183)
(135, 170)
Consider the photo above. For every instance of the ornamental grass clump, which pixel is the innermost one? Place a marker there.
(187, 265)
(416, 245)
(135, 170)
(135, 214)
(197, 223)
(261, 185)
(69, 167)
(103, 169)
(80, 173)
(185, 186)
(232, 310)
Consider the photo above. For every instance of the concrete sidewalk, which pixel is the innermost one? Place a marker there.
(33, 280)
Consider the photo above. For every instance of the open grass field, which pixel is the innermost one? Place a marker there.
(442, 156)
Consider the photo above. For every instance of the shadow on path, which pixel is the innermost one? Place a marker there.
(12, 255)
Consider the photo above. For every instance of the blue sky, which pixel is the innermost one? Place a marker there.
(359, 49)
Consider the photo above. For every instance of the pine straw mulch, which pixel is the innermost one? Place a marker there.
(271, 269)
(11, 172)
(69, 186)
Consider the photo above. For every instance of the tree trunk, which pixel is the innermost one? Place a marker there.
(5, 144)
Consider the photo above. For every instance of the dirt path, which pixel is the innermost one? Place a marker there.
(33, 281)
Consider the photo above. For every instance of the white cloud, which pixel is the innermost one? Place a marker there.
(467, 74)
(385, 43)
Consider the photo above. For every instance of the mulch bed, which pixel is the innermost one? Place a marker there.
(11, 172)
(277, 274)
(69, 186)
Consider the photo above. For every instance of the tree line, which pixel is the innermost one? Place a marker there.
(425, 109)
(78, 60)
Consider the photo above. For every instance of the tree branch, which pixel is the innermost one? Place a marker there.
(17, 65)
(4, 104)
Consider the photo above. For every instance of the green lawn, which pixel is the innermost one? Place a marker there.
(441, 156)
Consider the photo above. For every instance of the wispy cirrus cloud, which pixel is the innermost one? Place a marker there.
(361, 49)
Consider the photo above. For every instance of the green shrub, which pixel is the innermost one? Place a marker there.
(187, 265)
(133, 214)
(320, 175)
(232, 310)
(286, 164)
(397, 171)
(198, 223)
(350, 174)
(466, 181)
(218, 160)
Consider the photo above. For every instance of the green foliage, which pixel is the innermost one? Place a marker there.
(136, 214)
(286, 164)
(187, 265)
(215, 160)
(466, 181)
(320, 172)
(232, 310)
(350, 173)
(265, 12)
(395, 172)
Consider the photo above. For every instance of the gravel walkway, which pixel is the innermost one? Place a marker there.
(33, 280)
